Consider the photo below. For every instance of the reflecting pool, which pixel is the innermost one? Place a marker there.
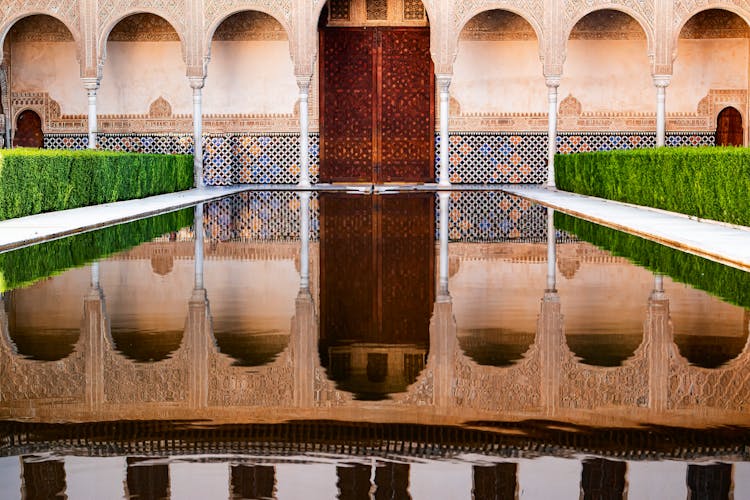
(333, 345)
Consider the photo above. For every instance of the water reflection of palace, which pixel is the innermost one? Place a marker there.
(458, 348)
(151, 347)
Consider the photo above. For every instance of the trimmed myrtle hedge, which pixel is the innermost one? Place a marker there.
(28, 265)
(711, 183)
(36, 180)
(729, 283)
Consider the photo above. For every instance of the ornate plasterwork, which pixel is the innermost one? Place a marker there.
(67, 12)
(158, 119)
(497, 25)
(684, 10)
(530, 10)
(377, 13)
(217, 11)
(143, 28)
(715, 23)
(250, 26)
(42, 28)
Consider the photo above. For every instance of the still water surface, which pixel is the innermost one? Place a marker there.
(359, 346)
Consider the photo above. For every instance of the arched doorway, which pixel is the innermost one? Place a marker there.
(729, 128)
(28, 130)
(377, 119)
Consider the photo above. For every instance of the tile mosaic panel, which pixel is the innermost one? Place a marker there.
(475, 158)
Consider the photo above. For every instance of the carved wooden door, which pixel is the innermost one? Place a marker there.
(28, 130)
(377, 105)
(729, 128)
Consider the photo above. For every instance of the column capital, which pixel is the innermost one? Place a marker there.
(90, 83)
(662, 81)
(197, 82)
(443, 82)
(552, 81)
(304, 82)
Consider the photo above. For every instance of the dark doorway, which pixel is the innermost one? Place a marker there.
(377, 105)
(729, 128)
(28, 130)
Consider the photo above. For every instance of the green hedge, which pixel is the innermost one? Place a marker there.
(729, 283)
(35, 180)
(27, 265)
(711, 183)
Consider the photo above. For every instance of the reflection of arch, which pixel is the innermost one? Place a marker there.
(604, 349)
(251, 348)
(711, 351)
(28, 129)
(39, 344)
(647, 31)
(729, 129)
(495, 346)
(145, 346)
(104, 37)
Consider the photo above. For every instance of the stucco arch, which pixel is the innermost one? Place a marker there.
(688, 15)
(497, 5)
(640, 19)
(107, 29)
(222, 16)
(71, 26)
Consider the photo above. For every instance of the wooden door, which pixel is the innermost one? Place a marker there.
(377, 105)
(729, 128)
(28, 130)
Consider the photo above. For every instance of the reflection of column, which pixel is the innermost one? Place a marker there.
(42, 479)
(551, 251)
(198, 324)
(602, 478)
(198, 230)
(443, 292)
(95, 325)
(552, 83)
(661, 82)
(443, 345)
(252, 481)
(495, 481)
(658, 337)
(146, 481)
(444, 83)
(91, 85)
(304, 131)
(196, 83)
(549, 335)
(353, 481)
(304, 234)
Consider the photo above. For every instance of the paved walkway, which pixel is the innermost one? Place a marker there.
(720, 242)
(726, 244)
(15, 233)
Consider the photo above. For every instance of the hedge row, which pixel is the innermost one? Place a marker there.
(729, 283)
(711, 183)
(28, 265)
(34, 180)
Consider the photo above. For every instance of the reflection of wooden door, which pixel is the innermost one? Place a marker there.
(28, 130)
(729, 128)
(377, 105)
(377, 259)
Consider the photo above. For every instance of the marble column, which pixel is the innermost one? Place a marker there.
(196, 83)
(444, 83)
(198, 324)
(92, 86)
(553, 82)
(661, 82)
(303, 82)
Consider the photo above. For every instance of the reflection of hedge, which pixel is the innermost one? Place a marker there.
(34, 180)
(727, 282)
(30, 264)
(711, 183)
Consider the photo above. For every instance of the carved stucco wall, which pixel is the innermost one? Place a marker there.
(554, 38)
